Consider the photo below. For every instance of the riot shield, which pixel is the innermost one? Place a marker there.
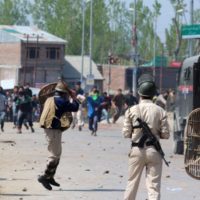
(192, 144)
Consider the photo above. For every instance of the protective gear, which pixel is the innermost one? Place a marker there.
(48, 116)
(147, 89)
(145, 78)
(62, 87)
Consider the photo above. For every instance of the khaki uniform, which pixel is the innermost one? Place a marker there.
(147, 157)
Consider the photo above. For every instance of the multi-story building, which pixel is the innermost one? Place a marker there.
(28, 54)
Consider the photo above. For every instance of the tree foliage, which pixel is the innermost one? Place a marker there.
(14, 12)
(176, 47)
(113, 26)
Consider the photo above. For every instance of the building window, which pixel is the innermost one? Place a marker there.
(53, 53)
(32, 52)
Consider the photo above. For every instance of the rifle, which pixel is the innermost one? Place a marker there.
(148, 134)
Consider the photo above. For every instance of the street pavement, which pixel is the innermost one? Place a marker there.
(91, 168)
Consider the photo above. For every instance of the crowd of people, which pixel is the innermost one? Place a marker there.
(102, 106)
(22, 108)
(19, 106)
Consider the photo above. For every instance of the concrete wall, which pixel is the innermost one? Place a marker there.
(10, 53)
(117, 78)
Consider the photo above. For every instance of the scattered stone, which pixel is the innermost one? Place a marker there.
(89, 144)
(32, 168)
(24, 189)
(8, 141)
(121, 176)
(106, 172)
(20, 198)
(104, 149)
(69, 178)
(87, 170)
(168, 176)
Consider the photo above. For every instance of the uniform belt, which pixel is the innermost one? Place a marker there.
(135, 144)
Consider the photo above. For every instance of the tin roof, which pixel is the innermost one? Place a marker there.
(74, 64)
(24, 33)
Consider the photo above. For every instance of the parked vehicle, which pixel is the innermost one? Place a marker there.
(187, 98)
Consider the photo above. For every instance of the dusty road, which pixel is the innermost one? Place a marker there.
(91, 168)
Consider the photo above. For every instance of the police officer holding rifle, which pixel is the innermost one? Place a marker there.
(145, 124)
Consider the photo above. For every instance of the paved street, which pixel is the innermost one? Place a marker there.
(91, 168)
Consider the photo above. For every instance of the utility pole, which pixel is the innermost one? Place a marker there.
(155, 46)
(191, 22)
(83, 39)
(135, 50)
(91, 34)
(161, 68)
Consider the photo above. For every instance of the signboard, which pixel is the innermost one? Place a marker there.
(90, 79)
(190, 31)
(7, 84)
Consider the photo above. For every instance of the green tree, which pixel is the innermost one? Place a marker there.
(197, 41)
(59, 17)
(14, 12)
(145, 31)
(64, 19)
(176, 47)
(119, 37)
(101, 31)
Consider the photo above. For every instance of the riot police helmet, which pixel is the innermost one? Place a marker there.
(146, 86)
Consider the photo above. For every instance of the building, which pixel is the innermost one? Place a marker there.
(73, 69)
(117, 76)
(28, 54)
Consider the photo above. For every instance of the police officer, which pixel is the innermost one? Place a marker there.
(146, 157)
(51, 121)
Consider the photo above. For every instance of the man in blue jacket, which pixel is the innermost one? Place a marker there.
(93, 103)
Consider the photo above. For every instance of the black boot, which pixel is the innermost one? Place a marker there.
(2, 125)
(53, 182)
(26, 126)
(45, 182)
(32, 129)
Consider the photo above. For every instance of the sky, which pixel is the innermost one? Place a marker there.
(167, 13)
